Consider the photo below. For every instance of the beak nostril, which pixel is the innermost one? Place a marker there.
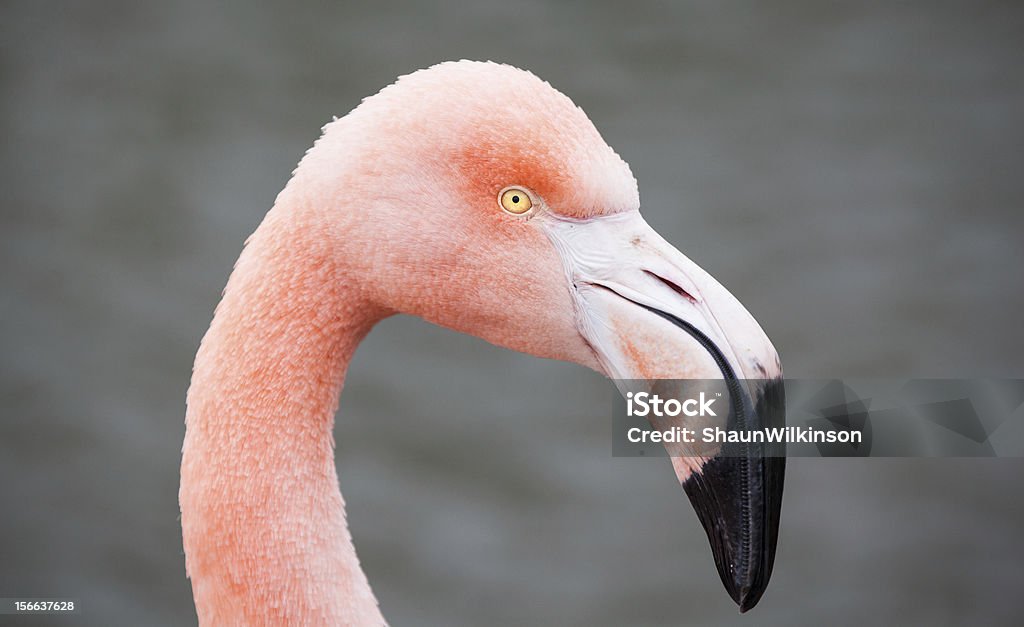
(672, 286)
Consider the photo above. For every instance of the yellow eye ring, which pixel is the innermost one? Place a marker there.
(515, 200)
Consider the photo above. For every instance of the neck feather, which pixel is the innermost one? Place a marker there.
(263, 519)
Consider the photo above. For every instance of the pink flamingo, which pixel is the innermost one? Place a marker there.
(475, 196)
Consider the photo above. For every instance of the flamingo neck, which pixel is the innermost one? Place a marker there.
(263, 519)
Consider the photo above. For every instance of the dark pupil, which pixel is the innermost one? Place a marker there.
(515, 199)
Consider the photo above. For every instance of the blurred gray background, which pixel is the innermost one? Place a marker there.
(851, 171)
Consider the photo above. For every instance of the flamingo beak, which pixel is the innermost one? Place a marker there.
(653, 316)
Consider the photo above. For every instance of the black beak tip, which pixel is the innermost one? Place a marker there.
(749, 591)
(748, 598)
(738, 499)
(742, 542)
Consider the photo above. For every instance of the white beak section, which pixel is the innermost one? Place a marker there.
(623, 274)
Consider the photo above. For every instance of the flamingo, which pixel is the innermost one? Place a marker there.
(479, 198)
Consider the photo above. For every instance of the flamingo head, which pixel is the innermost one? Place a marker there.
(476, 196)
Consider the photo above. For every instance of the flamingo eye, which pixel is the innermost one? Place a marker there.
(515, 200)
